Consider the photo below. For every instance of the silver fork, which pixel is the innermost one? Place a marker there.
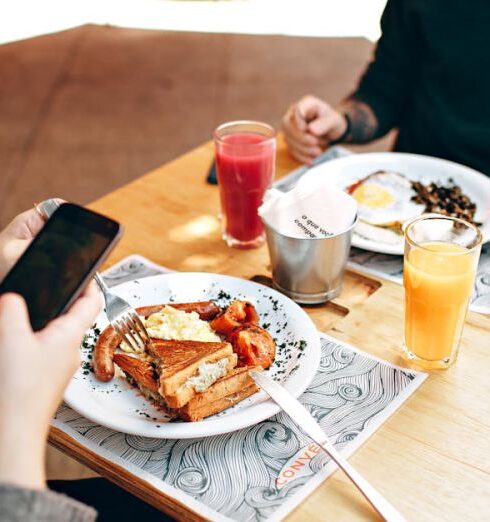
(124, 318)
(121, 314)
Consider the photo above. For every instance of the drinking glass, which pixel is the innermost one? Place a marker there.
(441, 258)
(245, 164)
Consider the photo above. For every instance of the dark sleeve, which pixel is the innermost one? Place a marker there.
(28, 505)
(387, 82)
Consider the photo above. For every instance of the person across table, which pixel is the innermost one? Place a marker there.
(430, 79)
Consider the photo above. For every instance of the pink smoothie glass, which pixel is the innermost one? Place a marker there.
(245, 164)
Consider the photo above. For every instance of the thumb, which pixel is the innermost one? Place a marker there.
(71, 327)
(325, 125)
(25, 226)
(311, 108)
(14, 316)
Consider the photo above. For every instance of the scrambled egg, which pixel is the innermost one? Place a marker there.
(171, 323)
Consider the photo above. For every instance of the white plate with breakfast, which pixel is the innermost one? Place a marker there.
(393, 188)
(207, 330)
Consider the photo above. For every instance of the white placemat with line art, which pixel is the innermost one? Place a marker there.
(389, 266)
(263, 472)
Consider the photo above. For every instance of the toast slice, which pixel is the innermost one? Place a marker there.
(142, 375)
(223, 394)
(189, 367)
(191, 414)
(208, 373)
(235, 380)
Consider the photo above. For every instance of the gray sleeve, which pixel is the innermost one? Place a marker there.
(27, 505)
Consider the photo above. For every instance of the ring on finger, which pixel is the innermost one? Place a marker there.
(38, 208)
(46, 208)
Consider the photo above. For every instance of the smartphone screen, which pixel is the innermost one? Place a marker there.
(60, 261)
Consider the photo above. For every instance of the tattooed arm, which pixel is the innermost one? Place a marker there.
(380, 101)
(362, 123)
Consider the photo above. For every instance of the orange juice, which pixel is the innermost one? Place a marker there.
(438, 280)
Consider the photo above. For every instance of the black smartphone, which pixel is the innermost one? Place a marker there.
(60, 261)
(212, 178)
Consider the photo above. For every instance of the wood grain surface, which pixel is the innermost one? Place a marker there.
(431, 458)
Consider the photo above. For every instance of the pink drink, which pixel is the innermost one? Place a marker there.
(245, 161)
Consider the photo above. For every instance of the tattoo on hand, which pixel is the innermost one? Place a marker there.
(363, 122)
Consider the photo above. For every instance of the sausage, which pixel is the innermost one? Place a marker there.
(237, 314)
(146, 311)
(104, 349)
(253, 345)
(109, 340)
(207, 310)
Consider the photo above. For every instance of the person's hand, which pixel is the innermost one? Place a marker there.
(35, 368)
(309, 126)
(15, 238)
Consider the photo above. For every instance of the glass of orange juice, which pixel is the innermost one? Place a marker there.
(441, 257)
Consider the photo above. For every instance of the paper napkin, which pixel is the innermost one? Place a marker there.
(312, 209)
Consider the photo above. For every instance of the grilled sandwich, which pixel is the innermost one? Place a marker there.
(185, 368)
(227, 391)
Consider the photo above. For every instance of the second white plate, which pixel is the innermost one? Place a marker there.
(345, 171)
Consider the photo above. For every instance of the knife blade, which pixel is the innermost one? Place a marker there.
(306, 422)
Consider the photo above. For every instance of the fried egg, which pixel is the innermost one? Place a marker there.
(384, 199)
(384, 235)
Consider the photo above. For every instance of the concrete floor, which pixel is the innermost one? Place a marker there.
(84, 111)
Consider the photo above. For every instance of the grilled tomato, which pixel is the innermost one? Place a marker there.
(238, 313)
(253, 345)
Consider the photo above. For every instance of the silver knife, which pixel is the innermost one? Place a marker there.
(303, 418)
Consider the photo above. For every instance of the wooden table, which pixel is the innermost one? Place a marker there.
(431, 459)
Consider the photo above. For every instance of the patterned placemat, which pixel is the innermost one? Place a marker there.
(262, 472)
(389, 266)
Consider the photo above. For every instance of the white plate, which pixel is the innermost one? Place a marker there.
(345, 171)
(119, 406)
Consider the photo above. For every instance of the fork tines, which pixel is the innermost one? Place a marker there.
(132, 331)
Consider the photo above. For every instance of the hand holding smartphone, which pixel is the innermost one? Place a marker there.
(61, 260)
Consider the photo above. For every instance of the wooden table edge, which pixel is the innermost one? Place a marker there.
(120, 476)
